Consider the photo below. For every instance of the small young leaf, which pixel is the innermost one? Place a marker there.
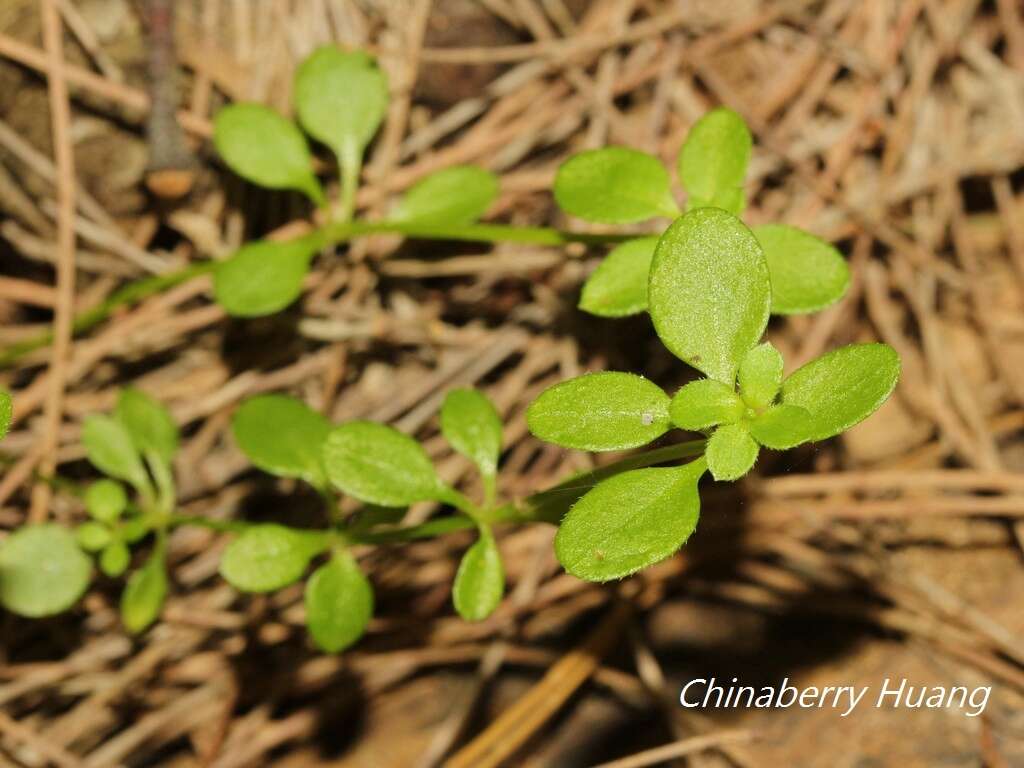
(151, 427)
(709, 293)
(808, 274)
(705, 403)
(269, 556)
(453, 196)
(731, 452)
(782, 427)
(843, 387)
(135, 529)
(265, 148)
(6, 411)
(340, 98)
(630, 521)
(471, 424)
(380, 465)
(111, 450)
(42, 571)
(92, 536)
(339, 603)
(618, 287)
(115, 558)
(606, 411)
(480, 580)
(614, 185)
(105, 500)
(713, 161)
(265, 276)
(283, 436)
(144, 595)
(760, 375)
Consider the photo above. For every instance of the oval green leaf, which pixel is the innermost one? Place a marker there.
(606, 411)
(339, 603)
(115, 558)
(450, 197)
(263, 277)
(713, 161)
(618, 287)
(808, 274)
(150, 424)
(340, 98)
(480, 580)
(105, 500)
(709, 292)
(471, 424)
(144, 595)
(268, 557)
(92, 536)
(731, 452)
(760, 375)
(782, 426)
(6, 411)
(266, 149)
(630, 521)
(705, 403)
(380, 465)
(110, 448)
(843, 387)
(283, 436)
(42, 571)
(614, 185)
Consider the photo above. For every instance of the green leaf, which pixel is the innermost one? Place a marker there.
(115, 558)
(760, 375)
(630, 521)
(480, 580)
(731, 452)
(135, 529)
(42, 571)
(606, 411)
(340, 98)
(144, 595)
(265, 276)
(614, 185)
(110, 448)
(6, 411)
(709, 292)
(808, 274)
(266, 149)
(843, 387)
(92, 536)
(339, 603)
(380, 465)
(471, 424)
(782, 427)
(451, 197)
(150, 425)
(713, 161)
(105, 500)
(269, 556)
(618, 287)
(283, 436)
(705, 403)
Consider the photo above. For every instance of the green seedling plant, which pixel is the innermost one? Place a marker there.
(708, 282)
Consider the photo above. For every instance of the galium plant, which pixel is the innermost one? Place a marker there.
(708, 282)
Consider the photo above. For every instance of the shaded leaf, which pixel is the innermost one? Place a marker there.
(731, 452)
(266, 149)
(265, 276)
(144, 595)
(268, 557)
(618, 287)
(760, 375)
(110, 449)
(614, 185)
(42, 571)
(709, 293)
(605, 411)
(480, 580)
(450, 197)
(843, 387)
(149, 424)
(339, 603)
(630, 521)
(782, 426)
(705, 403)
(283, 436)
(472, 426)
(808, 274)
(713, 161)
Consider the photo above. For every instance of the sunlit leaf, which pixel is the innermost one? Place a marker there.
(760, 375)
(339, 603)
(450, 197)
(283, 436)
(105, 500)
(618, 287)
(144, 595)
(480, 580)
(704, 403)
(731, 452)
(782, 426)
(808, 274)
(111, 450)
(42, 571)
(270, 556)
(713, 161)
(614, 185)
(264, 276)
(149, 424)
(471, 424)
